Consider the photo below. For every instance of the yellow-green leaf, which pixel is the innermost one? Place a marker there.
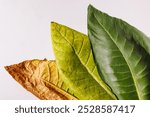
(76, 65)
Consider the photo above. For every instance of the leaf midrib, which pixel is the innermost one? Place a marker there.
(121, 53)
(61, 91)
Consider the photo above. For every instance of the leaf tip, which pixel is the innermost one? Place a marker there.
(90, 10)
(53, 25)
(53, 22)
(7, 68)
(90, 6)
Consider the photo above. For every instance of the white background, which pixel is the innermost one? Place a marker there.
(25, 30)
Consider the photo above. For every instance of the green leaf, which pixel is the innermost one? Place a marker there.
(76, 65)
(121, 55)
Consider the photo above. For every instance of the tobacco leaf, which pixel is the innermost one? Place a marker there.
(41, 78)
(76, 65)
(121, 55)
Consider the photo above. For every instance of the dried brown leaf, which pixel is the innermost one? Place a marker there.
(41, 78)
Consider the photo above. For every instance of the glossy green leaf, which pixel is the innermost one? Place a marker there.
(76, 65)
(121, 55)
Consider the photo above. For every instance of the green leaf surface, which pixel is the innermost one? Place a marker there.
(121, 54)
(76, 65)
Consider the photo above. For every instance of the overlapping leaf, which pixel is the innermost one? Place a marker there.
(41, 78)
(76, 65)
(121, 54)
(117, 65)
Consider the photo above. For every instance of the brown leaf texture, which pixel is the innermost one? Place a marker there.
(41, 78)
